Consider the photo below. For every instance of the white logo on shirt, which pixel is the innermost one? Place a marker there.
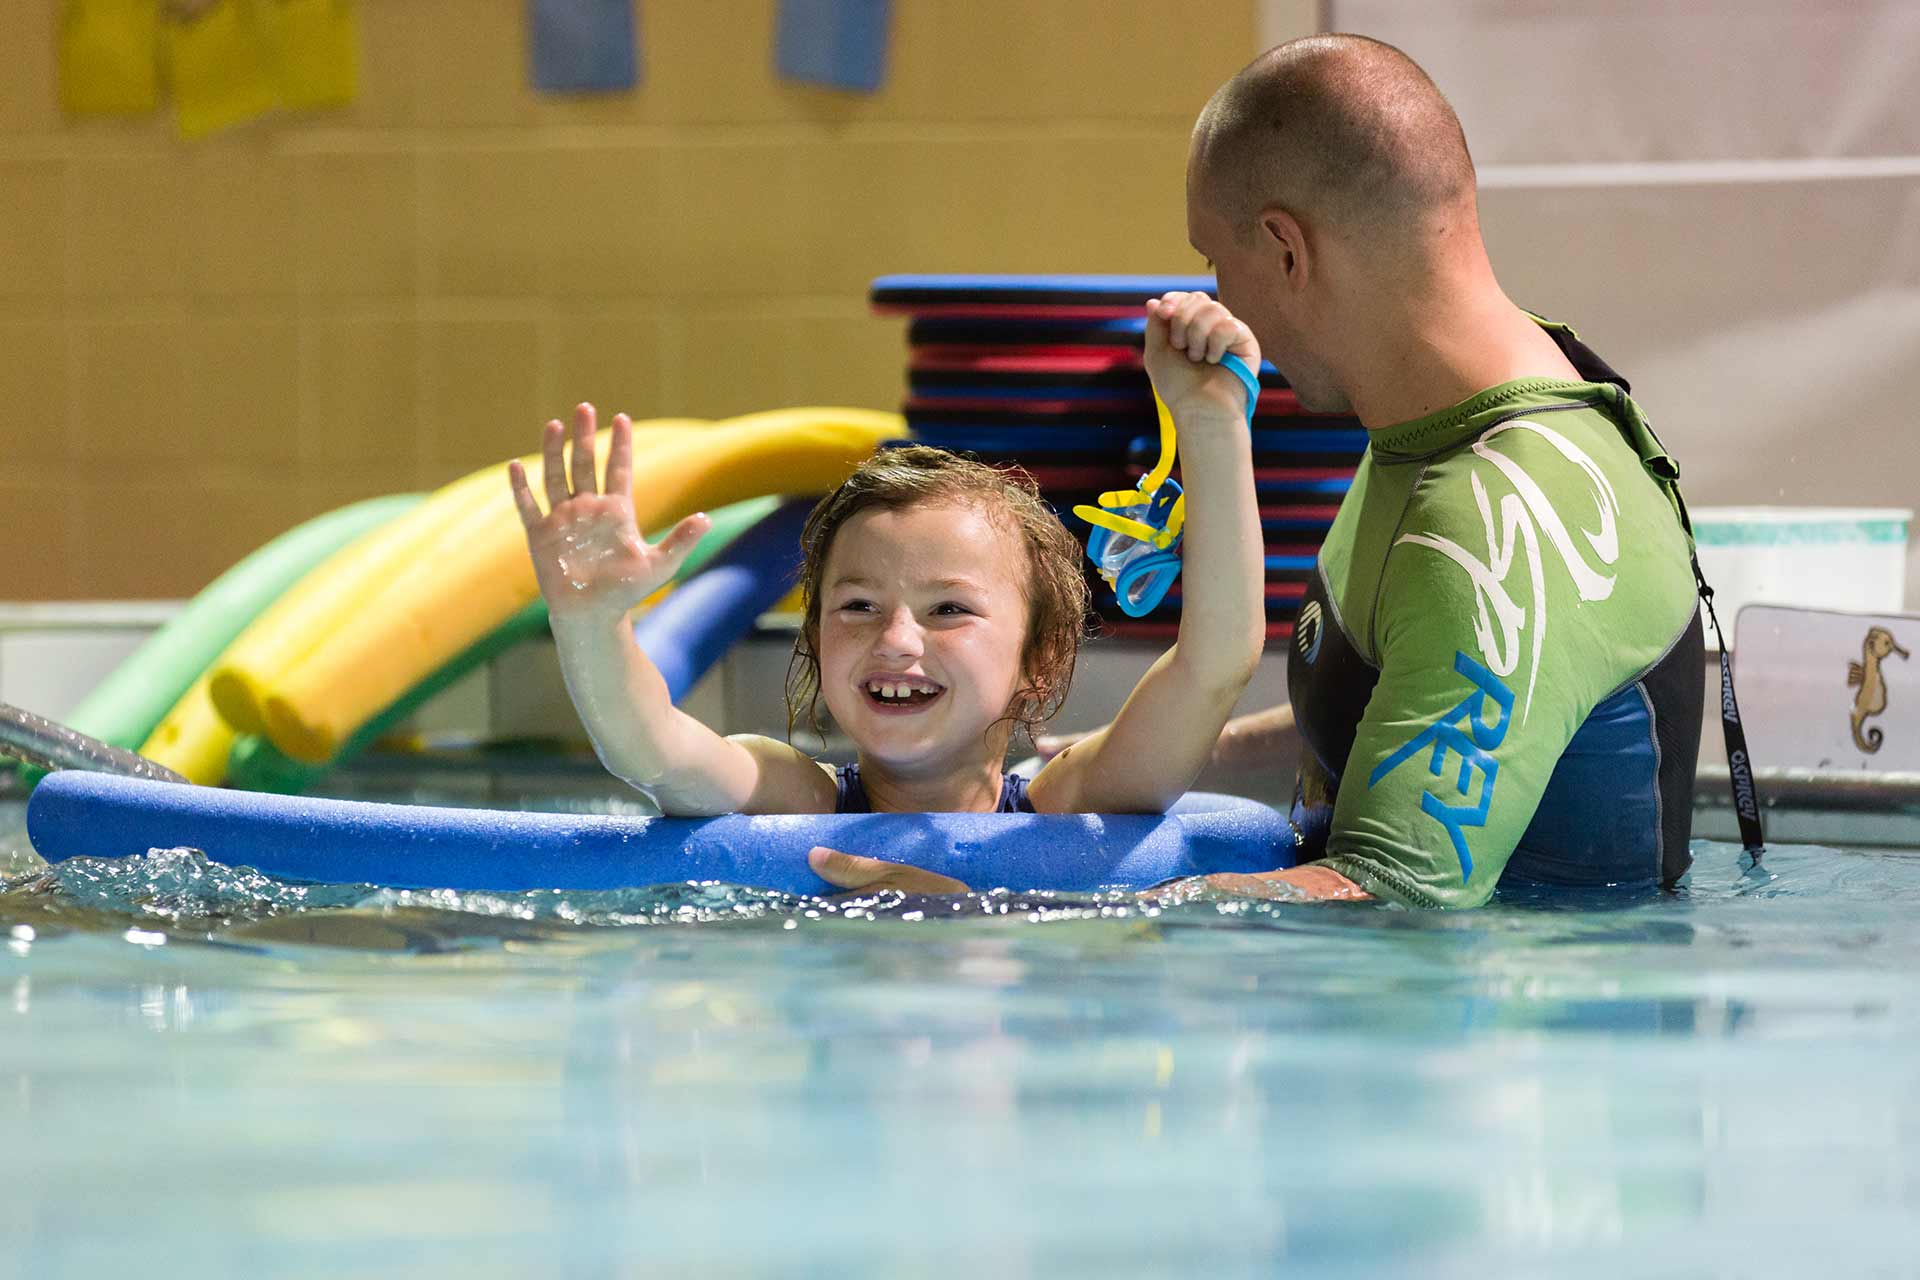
(1524, 515)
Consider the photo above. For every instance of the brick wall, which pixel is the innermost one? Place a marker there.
(201, 344)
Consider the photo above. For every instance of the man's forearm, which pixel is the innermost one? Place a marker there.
(1258, 737)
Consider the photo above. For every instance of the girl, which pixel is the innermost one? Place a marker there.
(944, 604)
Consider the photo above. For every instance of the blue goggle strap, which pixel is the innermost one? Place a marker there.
(1144, 580)
(1143, 583)
(1249, 379)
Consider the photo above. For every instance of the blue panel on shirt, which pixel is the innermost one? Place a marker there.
(1601, 809)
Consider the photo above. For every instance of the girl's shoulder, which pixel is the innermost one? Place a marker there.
(791, 781)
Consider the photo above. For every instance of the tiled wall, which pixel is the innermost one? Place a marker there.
(201, 344)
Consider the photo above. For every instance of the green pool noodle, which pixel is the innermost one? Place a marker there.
(728, 523)
(123, 709)
(255, 764)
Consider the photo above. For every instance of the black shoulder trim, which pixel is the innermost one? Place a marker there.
(1585, 360)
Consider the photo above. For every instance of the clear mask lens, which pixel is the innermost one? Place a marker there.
(1122, 549)
(1140, 589)
(1139, 570)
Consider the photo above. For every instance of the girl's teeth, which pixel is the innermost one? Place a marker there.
(888, 689)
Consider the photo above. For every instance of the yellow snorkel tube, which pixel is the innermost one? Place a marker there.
(1135, 542)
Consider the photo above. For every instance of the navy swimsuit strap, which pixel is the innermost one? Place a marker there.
(850, 794)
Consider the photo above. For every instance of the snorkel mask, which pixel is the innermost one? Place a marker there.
(1135, 542)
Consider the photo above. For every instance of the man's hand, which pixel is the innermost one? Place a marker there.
(1187, 332)
(1049, 745)
(1310, 882)
(1296, 884)
(874, 875)
(1259, 739)
(587, 551)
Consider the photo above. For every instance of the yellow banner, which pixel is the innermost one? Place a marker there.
(219, 55)
(110, 56)
(315, 44)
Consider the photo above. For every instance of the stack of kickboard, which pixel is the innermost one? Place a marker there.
(1045, 371)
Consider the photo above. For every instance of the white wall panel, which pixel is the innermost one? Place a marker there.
(1552, 80)
(1725, 199)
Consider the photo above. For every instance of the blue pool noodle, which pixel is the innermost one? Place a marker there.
(76, 814)
(689, 631)
(99, 815)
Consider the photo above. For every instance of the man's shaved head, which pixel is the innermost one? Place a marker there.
(1339, 130)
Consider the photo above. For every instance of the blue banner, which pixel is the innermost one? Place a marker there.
(582, 46)
(841, 44)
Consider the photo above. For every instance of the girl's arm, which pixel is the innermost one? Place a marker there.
(594, 567)
(1154, 749)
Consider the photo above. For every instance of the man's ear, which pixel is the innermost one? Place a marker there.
(1281, 236)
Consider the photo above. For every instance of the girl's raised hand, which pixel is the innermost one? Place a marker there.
(587, 550)
(1187, 332)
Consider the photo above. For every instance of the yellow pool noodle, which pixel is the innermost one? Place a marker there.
(236, 679)
(459, 584)
(193, 739)
(305, 617)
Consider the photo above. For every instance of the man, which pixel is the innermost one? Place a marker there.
(1497, 668)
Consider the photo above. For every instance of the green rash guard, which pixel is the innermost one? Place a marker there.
(1498, 667)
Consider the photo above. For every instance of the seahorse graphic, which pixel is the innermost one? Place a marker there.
(1872, 698)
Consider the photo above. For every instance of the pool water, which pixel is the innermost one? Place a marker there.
(206, 1072)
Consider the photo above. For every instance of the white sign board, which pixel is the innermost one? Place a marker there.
(1827, 690)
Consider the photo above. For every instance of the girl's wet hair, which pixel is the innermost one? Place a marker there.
(1054, 586)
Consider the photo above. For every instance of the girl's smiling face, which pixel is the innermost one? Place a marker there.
(923, 624)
